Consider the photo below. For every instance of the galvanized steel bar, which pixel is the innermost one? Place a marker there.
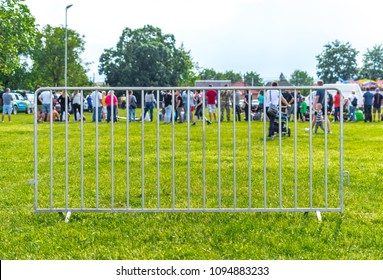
(143, 114)
(325, 148)
(264, 150)
(295, 149)
(97, 99)
(203, 149)
(249, 101)
(113, 113)
(158, 151)
(188, 144)
(341, 157)
(127, 149)
(280, 145)
(311, 148)
(173, 154)
(36, 160)
(219, 148)
(81, 147)
(235, 149)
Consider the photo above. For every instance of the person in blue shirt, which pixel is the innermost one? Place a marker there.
(368, 100)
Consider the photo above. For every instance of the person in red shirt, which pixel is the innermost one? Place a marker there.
(211, 96)
(109, 106)
(336, 106)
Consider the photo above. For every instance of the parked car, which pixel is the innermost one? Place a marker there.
(21, 103)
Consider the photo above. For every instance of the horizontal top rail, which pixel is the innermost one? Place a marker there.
(194, 88)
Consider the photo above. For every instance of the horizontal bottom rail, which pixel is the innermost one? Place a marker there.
(187, 210)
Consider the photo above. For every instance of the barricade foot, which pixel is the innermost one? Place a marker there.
(67, 216)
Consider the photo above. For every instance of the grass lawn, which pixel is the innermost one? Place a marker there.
(355, 234)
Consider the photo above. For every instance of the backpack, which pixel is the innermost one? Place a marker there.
(354, 102)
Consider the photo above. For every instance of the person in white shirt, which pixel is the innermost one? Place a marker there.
(46, 101)
(97, 105)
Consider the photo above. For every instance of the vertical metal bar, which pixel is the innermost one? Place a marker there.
(51, 155)
(188, 146)
(203, 149)
(66, 141)
(295, 150)
(127, 150)
(311, 148)
(81, 147)
(234, 150)
(341, 157)
(249, 100)
(265, 95)
(173, 154)
(280, 145)
(219, 150)
(97, 101)
(158, 151)
(143, 105)
(325, 149)
(36, 178)
(112, 146)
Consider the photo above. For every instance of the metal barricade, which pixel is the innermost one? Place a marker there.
(139, 166)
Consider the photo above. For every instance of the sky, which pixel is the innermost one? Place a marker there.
(269, 37)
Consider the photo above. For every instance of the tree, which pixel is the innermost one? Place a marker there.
(49, 58)
(17, 36)
(373, 63)
(253, 79)
(338, 60)
(301, 78)
(146, 57)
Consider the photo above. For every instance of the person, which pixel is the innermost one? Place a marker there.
(225, 103)
(179, 106)
(211, 96)
(63, 105)
(290, 99)
(188, 104)
(103, 103)
(76, 105)
(7, 104)
(368, 100)
(260, 101)
(247, 102)
(132, 106)
(97, 105)
(318, 117)
(237, 108)
(377, 104)
(330, 102)
(46, 100)
(90, 104)
(337, 97)
(353, 106)
(55, 115)
(299, 105)
(303, 109)
(168, 100)
(198, 106)
(272, 97)
(123, 101)
(149, 104)
(320, 95)
(111, 106)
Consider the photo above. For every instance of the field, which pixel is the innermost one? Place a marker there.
(355, 234)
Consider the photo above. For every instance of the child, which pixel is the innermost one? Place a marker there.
(303, 110)
(318, 117)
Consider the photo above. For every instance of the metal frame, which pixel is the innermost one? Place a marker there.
(172, 196)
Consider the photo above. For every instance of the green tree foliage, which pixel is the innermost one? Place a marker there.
(301, 78)
(337, 60)
(146, 57)
(252, 78)
(17, 36)
(49, 58)
(373, 63)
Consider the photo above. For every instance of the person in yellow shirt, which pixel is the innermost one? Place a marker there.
(103, 105)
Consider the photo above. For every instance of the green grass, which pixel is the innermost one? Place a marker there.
(355, 234)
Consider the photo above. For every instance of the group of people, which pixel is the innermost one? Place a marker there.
(102, 105)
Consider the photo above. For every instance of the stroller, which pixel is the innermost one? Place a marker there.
(284, 123)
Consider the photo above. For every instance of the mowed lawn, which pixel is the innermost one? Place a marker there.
(355, 234)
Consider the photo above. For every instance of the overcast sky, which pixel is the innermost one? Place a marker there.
(265, 36)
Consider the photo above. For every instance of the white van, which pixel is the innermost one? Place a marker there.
(346, 91)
